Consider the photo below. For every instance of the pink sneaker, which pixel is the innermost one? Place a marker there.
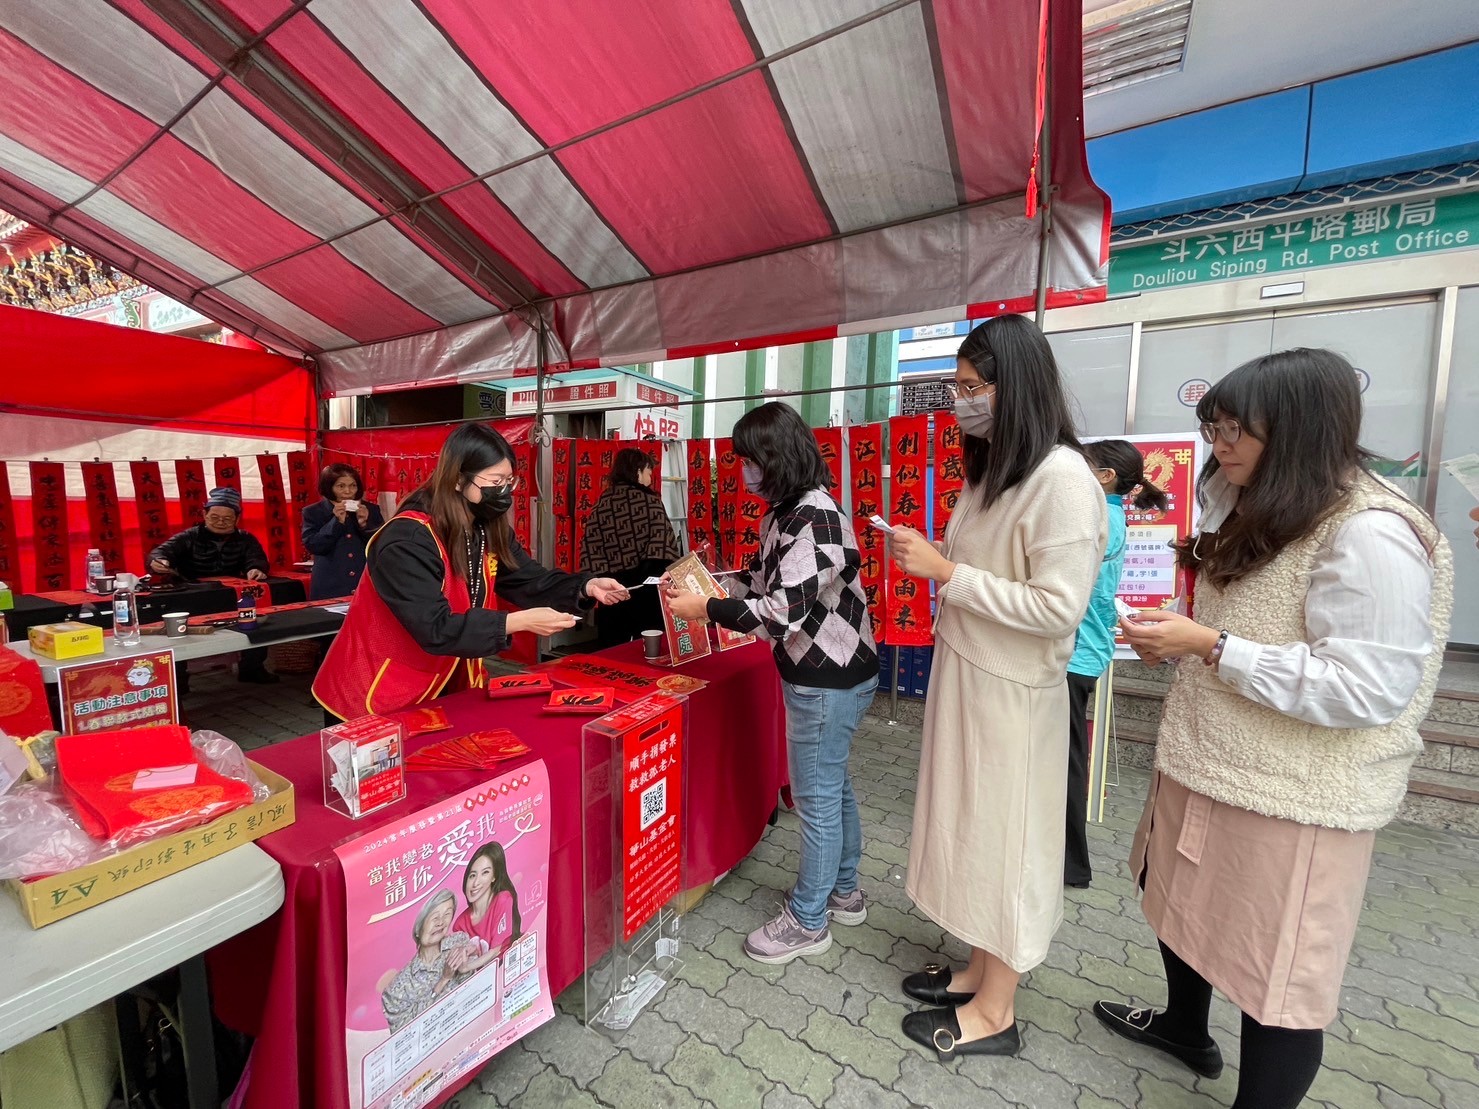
(784, 939)
(847, 908)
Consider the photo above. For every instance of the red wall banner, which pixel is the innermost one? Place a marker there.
(103, 514)
(949, 469)
(865, 446)
(228, 473)
(829, 442)
(909, 620)
(731, 487)
(302, 489)
(562, 501)
(280, 529)
(150, 504)
(49, 514)
(190, 477)
(10, 551)
(700, 496)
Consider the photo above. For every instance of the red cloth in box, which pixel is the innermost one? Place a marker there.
(98, 772)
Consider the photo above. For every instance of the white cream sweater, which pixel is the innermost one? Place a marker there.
(1025, 567)
(1216, 741)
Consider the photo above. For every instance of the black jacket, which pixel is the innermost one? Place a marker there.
(199, 553)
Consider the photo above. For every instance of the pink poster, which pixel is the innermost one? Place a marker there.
(447, 914)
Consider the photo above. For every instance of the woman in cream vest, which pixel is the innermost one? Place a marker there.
(1322, 604)
(1015, 573)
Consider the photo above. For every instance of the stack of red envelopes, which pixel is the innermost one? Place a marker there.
(475, 751)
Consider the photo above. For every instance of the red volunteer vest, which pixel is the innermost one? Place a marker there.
(374, 666)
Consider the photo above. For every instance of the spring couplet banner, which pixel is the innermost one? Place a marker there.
(700, 496)
(949, 471)
(228, 472)
(150, 503)
(132, 692)
(563, 504)
(447, 918)
(524, 495)
(731, 481)
(829, 442)
(909, 619)
(300, 482)
(10, 548)
(190, 479)
(104, 518)
(49, 518)
(589, 479)
(865, 444)
(279, 534)
(1150, 578)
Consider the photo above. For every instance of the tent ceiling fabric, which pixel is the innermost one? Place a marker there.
(408, 189)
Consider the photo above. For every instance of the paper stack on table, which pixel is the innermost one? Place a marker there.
(475, 751)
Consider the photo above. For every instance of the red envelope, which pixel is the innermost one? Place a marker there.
(422, 721)
(589, 701)
(519, 685)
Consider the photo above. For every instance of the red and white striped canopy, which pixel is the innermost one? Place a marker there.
(411, 191)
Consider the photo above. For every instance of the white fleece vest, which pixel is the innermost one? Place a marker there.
(1217, 742)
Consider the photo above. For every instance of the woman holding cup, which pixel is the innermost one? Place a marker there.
(336, 531)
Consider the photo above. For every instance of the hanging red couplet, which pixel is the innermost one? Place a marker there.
(149, 500)
(731, 481)
(588, 474)
(275, 502)
(10, 547)
(949, 470)
(103, 516)
(524, 495)
(866, 447)
(909, 621)
(562, 502)
(700, 498)
(300, 486)
(49, 517)
(829, 442)
(190, 476)
(228, 473)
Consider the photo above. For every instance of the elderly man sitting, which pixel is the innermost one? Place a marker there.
(216, 547)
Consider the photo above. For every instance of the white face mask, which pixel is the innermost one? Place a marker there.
(975, 416)
(754, 476)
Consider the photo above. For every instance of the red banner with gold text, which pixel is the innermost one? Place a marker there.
(228, 473)
(865, 445)
(279, 535)
(562, 502)
(909, 620)
(49, 517)
(190, 477)
(105, 520)
(829, 442)
(731, 485)
(949, 469)
(700, 496)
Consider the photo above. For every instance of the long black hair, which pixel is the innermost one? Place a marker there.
(468, 451)
(1128, 464)
(502, 883)
(1030, 404)
(1304, 406)
(776, 438)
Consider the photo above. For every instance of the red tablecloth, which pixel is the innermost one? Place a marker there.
(283, 982)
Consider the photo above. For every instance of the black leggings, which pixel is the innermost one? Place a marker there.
(1278, 1065)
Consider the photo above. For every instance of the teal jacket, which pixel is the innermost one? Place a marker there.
(1094, 649)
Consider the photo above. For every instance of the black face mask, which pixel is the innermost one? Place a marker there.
(492, 503)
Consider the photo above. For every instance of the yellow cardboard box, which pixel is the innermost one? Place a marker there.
(68, 639)
(45, 900)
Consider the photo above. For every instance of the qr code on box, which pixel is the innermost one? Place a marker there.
(654, 802)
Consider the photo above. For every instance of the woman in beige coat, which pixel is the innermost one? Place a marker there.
(1015, 573)
(1322, 605)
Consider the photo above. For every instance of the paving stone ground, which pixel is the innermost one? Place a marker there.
(735, 1033)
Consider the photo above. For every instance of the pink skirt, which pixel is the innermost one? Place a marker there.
(1264, 909)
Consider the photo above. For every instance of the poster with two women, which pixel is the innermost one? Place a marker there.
(447, 915)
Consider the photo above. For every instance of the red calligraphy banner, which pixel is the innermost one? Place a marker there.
(190, 477)
(731, 484)
(524, 495)
(228, 473)
(49, 518)
(562, 502)
(909, 620)
(275, 501)
(829, 442)
(150, 503)
(700, 498)
(589, 473)
(949, 470)
(10, 547)
(865, 445)
(301, 487)
(104, 517)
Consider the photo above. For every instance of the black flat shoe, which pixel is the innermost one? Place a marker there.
(940, 1030)
(931, 986)
(1133, 1023)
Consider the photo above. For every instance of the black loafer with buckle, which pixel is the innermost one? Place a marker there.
(939, 1029)
(931, 985)
(1133, 1023)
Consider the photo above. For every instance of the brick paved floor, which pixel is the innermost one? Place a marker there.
(734, 1034)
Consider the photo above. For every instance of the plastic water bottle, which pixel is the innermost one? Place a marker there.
(126, 612)
(246, 611)
(96, 568)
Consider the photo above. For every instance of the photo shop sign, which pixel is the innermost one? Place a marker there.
(447, 916)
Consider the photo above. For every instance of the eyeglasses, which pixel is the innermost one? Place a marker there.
(955, 390)
(506, 486)
(1230, 430)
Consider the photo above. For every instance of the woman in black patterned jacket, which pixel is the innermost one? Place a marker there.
(804, 595)
(629, 537)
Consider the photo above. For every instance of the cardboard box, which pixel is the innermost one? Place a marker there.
(44, 900)
(66, 640)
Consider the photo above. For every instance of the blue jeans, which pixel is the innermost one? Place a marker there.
(819, 730)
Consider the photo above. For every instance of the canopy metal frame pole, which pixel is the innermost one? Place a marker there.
(544, 516)
(1045, 186)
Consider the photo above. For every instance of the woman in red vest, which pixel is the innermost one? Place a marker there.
(423, 618)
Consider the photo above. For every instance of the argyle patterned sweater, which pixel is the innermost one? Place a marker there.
(803, 594)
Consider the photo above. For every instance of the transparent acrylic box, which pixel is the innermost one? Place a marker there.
(634, 786)
(367, 756)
